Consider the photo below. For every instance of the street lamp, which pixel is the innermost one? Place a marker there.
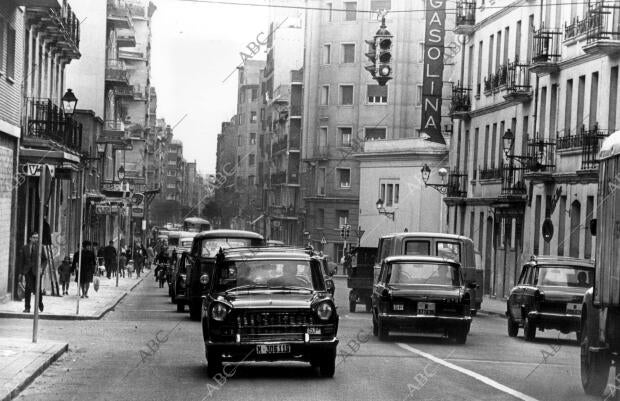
(69, 101)
(381, 210)
(509, 143)
(426, 173)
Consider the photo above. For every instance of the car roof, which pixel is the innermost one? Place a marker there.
(427, 235)
(561, 260)
(419, 259)
(228, 234)
(266, 253)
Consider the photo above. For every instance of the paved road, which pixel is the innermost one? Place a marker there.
(110, 360)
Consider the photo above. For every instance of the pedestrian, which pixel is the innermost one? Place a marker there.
(109, 255)
(122, 262)
(347, 264)
(64, 272)
(30, 255)
(138, 260)
(160, 274)
(87, 269)
(150, 253)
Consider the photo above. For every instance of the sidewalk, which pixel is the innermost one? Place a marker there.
(494, 306)
(21, 361)
(94, 307)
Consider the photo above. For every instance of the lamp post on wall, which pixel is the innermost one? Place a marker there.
(441, 188)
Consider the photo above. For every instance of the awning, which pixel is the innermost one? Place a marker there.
(258, 218)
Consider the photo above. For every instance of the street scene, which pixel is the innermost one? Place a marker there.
(309, 200)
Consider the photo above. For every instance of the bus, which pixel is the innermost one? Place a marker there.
(600, 309)
(196, 224)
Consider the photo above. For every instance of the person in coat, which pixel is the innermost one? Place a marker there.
(30, 254)
(64, 274)
(109, 254)
(88, 267)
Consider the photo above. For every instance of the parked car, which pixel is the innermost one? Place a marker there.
(360, 278)
(421, 294)
(456, 247)
(200, 261)
(269, 304)
(178, 279)
(549, 295)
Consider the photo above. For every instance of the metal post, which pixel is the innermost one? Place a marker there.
(118, 244)
(37, 296)
(81, 213)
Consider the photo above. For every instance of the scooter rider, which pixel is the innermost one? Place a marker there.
(161, 260)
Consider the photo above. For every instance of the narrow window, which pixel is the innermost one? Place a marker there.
(346, 95)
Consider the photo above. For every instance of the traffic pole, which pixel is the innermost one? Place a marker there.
(37, 296)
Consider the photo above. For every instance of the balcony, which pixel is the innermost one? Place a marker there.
(465, 17)
(457, 185)
(282, 212)
(541, 156)
(494, 82)
(588, 142)
(116, 72)
(490, 173)
(461, 102)
(47, 121)
(118, 14)
(280, 145)
(126, 38)
(546, 53)
(57, 24)
(518, 88)
(132, 55)
(603, 33)
(513, 183)
(123, 91)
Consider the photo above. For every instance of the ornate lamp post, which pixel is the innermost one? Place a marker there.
(381, 210)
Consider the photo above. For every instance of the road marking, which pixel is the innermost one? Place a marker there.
(477, 376)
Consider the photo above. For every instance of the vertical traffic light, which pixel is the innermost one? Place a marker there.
(380, 55)
(342, 232)
(346, 231)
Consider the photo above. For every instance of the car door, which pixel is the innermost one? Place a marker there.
(515, 300)
(379, 287)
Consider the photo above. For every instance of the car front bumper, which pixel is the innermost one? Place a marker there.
(422, 322)
(247, 351)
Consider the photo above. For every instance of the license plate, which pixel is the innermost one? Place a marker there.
(426, 308)
(314, 330)
(264, 349)
(573, 309)
(399, 307)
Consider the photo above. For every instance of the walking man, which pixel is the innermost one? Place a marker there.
(109, 255)
(30, 253)
(88, 267)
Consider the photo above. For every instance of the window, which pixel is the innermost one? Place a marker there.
(253, 117)
(10, 52)
(327, 54)
(417, 247)
(252, 138)
(343, 217)
(254, 94)
(251, 160)
(348, 53)
(324, 95)
(350, 11)
(346, 95)
(321, 181)
(251, 180)
(418, 96)
(323, 137)
(389, 192)
(344, 177)
(320, 218)
(373, 134)
(239, 140)
(345, 136)
(377, 94)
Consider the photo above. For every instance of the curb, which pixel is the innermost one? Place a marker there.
(30, 378)
(96, 316)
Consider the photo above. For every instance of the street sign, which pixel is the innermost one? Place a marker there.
(34, 169)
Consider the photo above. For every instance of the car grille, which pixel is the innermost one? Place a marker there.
(273, 326)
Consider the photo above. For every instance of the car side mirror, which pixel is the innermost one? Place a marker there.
(593, 227)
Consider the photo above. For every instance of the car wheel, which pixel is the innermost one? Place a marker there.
(352, 305)
(180, 306)
(529, 329)
(327, 366)
(384, 333)
(594, 368)
(473, 312)
(214, 364)
(513, 327)
(194, 310)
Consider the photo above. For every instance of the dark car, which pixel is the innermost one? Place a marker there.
(200, 261)
(422, 294)
(269, 304)
(549, 295)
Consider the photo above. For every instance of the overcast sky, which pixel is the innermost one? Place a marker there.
(194, 47)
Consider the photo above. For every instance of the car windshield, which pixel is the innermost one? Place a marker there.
(211, 246)
(424, 273)
(269, 274)
(563, 276)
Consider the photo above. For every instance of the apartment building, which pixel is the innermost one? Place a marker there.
(225, 170)
(346, 108)
(537, 93)
(11, 70)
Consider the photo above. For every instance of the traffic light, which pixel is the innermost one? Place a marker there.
(346, 231)
(342, 232)
(380, 55)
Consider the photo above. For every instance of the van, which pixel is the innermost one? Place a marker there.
(456, 247)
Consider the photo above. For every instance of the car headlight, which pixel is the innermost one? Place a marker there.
(324, 311)
(204, 279)
(219, 311)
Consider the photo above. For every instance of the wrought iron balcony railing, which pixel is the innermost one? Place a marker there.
(490, 173)
(541, 154)
(465, 16)
(547, 49)
(496, 80)
(518, 86)
(47, 121)
(457, 185)
(461, 100)
(116, 71)
(513, 183)
(280, 145)
(603, 31)
(588, 141)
